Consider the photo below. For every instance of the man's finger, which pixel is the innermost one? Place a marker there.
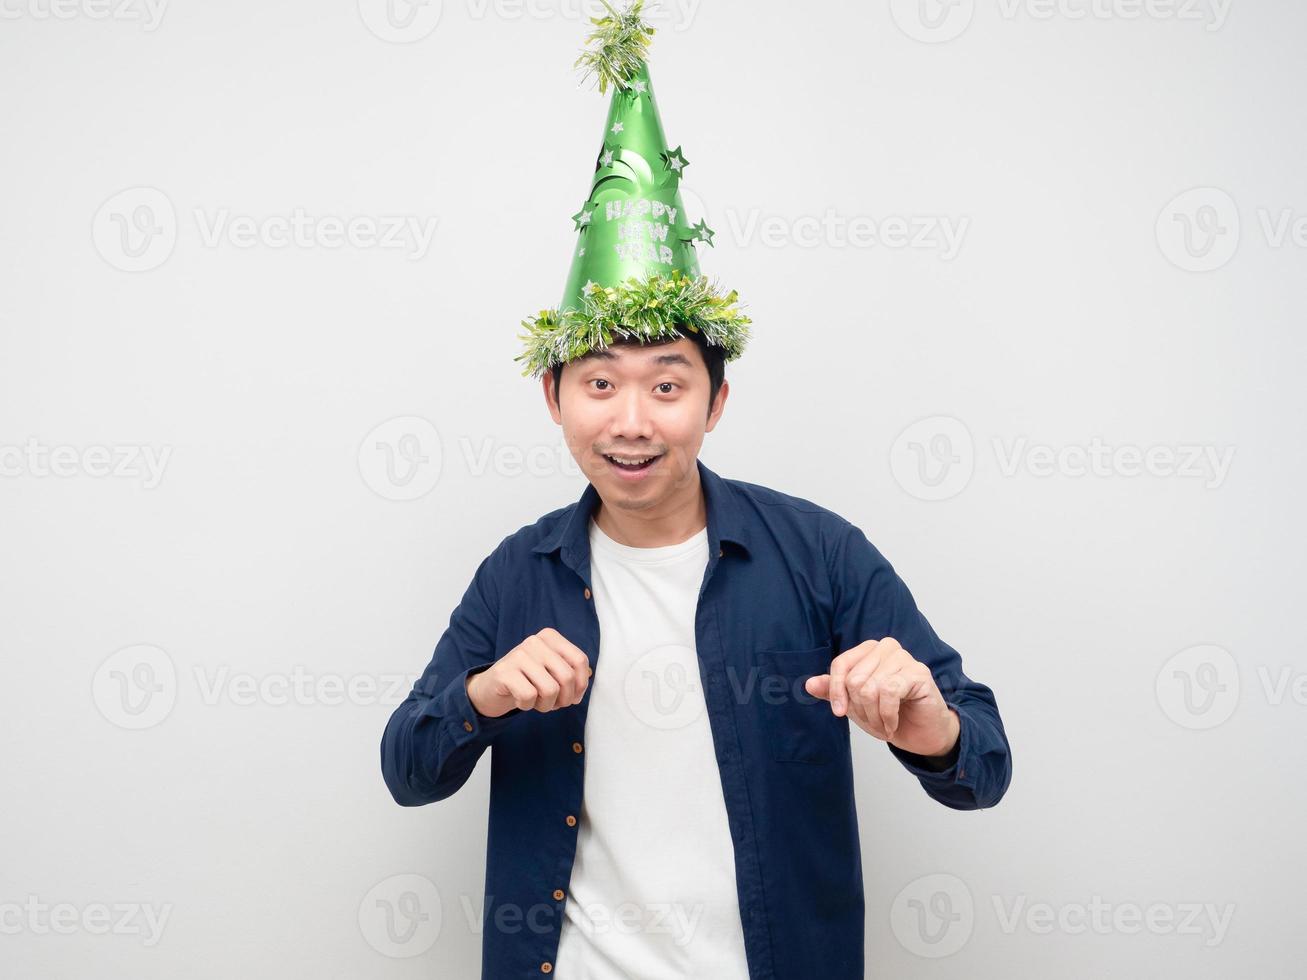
(882, 695)
(839, 673)
(521, 690)
(547, 689)
(868, 723)
(560, 644)
(566, 676)
(557, 642)
(818, 685)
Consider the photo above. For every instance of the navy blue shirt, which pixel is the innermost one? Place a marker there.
(788, 586)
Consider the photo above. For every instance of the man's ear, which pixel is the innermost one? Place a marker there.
(551, 398)
(718, 406)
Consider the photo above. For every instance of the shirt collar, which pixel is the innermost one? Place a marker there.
(725, 521)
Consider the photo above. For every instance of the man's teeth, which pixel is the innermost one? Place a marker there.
(631, 462)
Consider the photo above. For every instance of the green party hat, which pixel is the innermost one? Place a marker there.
(635, 271)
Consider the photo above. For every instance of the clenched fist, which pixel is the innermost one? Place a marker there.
(543, 672)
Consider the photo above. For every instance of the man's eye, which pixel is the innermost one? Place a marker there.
(600, 381)
(668, 384)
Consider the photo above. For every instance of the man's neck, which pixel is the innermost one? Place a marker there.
(675, 520)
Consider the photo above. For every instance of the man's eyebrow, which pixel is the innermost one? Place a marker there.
(661, 359)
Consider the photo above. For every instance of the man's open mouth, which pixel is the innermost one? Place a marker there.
(633, 464)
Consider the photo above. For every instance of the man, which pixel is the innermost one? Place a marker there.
(664, 670)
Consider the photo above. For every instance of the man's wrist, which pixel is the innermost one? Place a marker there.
(467, 687)
(943, 760)
(955, 725)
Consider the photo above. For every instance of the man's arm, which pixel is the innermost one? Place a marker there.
(433, 740)
(872, 603)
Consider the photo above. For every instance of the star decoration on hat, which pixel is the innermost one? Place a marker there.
(639, 86)
(702, 233)
(617, 128)
(582, 217)
(675, 160)
(606, 157)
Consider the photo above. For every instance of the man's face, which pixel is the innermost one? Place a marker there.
(633, 402)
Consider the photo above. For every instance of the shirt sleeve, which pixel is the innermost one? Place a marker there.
(433, 740)
(871, 603)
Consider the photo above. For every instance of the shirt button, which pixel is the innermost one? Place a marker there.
(546, 966)
(587, 593)
(558, 894)
(571, 820)
(720, 552)
(576, 747)
(467, 726)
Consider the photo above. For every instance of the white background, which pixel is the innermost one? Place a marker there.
(1128, 176)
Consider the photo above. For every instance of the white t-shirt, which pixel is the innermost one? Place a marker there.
(652, 894)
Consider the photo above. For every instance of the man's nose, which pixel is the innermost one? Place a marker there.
(631, 414)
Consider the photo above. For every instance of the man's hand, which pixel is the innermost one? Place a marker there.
(543, 672)
(889, 695)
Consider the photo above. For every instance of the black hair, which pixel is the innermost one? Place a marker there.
(714, 357)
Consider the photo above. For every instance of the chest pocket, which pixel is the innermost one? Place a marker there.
(798, 727)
